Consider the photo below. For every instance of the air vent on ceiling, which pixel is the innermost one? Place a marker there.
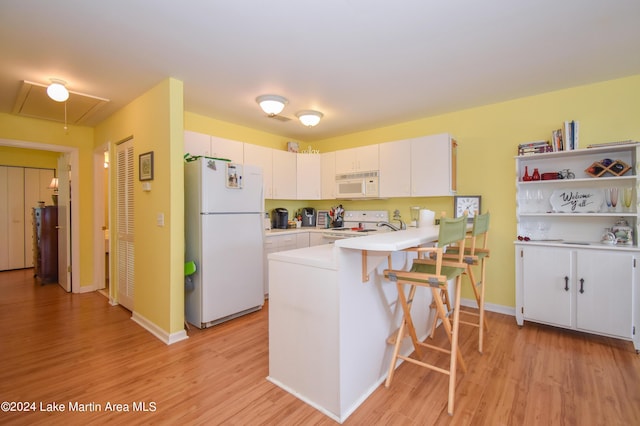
(32, 101)
(279, 118)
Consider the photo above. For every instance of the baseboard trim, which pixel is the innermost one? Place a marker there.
(500, 309)
(167, 338)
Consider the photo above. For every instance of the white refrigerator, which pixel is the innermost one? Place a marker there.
(224, 235)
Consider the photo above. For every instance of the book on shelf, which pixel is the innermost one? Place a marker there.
(535, 147)
(567, 137)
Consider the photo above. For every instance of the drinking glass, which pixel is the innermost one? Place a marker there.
(614, 197)
(607, 198)
(626, 197)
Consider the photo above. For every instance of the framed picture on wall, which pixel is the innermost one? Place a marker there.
(146, 166)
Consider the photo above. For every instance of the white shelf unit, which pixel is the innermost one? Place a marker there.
(565, 275)
(536, 218)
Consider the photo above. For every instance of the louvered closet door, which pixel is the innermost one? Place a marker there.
(124, 224)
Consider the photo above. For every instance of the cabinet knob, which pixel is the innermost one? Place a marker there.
(566, 283)
(581, 285)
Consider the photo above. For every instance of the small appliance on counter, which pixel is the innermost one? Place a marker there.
(280, 218)
(308, 216)
(267, 222)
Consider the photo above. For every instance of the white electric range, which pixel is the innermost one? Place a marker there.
(358, 223)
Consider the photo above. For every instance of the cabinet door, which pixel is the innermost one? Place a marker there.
(433, 166)
(270, 246)
(261, 156)
(308, 170)
(284, 175)
(547, 285)
(346, 161)
(367, 158)
(197, 143)
(604, 292)
(395, 169)
(302, 240)
(316, 239)
(328, 172)
(226, 148)
(364, 158)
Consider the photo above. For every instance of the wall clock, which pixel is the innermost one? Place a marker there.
(462, 203)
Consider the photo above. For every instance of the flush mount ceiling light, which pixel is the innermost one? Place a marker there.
(309, 117)
(57, 90)
(271, 104)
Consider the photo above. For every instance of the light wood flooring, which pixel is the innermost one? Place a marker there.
(76, 348)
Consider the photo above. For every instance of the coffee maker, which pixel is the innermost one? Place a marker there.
(308, 216)
(280, 218)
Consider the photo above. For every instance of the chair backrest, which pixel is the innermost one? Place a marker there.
(480, 227)
(452, 230)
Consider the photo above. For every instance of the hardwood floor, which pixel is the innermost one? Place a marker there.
(59, 348)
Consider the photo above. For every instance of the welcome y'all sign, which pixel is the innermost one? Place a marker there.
(577, 200)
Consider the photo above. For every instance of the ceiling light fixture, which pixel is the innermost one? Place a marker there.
(309, 117)
(271, 104)
(57, 90)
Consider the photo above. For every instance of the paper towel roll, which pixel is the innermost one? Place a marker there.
(427, 217)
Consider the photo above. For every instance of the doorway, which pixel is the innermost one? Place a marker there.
(101, 201)
(73, 233)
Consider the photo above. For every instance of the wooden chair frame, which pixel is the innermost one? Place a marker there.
(475, 255)
(435, 280)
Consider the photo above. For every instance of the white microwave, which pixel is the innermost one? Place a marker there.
(358, 185)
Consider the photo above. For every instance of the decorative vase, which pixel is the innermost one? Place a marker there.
(526, 177)
(536, 175)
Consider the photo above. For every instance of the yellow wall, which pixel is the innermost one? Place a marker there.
(211, 126)
(155, 121)
(488, 137)
(12, 156)
(32, 130)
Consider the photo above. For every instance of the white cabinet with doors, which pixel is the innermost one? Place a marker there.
(395, 169)
(263, 157)
(364, 158)
(227, 148)
(585, 289)
(276, 243)
(434, 166)
(212, 146)
(284, 175)
(565, 275)
(308, 176)
(328, 175)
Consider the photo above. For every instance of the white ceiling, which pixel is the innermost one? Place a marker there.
(363, 63)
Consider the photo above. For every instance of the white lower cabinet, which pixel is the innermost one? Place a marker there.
(592, 290)
(276, 243)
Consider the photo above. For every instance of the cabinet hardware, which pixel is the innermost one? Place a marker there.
(581, 285)
(566, 283)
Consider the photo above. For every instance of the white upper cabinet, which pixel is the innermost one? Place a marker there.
(364, 158)
(308, 176)
(433, 166)
(395, 169)
(197, 144)
(226, 148)
(284, 175)
(211, 146)
(263, 157)
(328, 172)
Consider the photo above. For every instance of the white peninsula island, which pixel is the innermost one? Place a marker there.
(331, 312)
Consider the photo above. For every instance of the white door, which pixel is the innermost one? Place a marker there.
(124, 224)
(36, 188)
(605, 292)
(547, 285)
(64, 221)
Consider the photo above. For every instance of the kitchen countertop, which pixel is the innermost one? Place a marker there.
(391, 241)
(290, 231)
